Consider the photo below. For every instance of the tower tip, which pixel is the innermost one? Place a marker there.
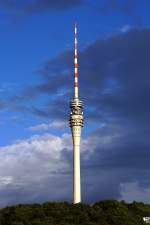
(75, 64)
(75, 27)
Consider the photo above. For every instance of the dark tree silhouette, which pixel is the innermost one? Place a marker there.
(109, 212)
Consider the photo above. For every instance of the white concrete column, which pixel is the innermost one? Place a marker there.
(76, 133)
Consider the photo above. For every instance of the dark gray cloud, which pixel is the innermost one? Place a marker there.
(40, 5)
(126, 6)
(8, 4)
(2, 105)
(37, 5)
(121, 156)
(113, 78)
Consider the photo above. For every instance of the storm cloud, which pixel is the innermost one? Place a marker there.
(125, 6)
(113, 78)
(37, 5)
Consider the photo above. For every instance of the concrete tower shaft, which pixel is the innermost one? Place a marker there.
(76, 123)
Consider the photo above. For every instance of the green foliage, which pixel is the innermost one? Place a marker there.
(110, 212)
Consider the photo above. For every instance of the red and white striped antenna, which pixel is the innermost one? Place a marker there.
(75, 64)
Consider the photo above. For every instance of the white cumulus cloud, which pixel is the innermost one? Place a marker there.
(45, 126)
(38, 168)
(34, 165)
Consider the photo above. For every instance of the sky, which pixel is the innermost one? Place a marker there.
(36, 86)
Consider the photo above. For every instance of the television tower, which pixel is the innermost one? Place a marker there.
(76, 123)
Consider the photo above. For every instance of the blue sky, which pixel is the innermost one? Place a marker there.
(36, 79)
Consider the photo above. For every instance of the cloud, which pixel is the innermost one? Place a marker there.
(125, 28)
(40, 5)
(37, 5)
(42, 163)
(132, 191)
(8, 4)
(111, 73)
(125, 6)
(5, 180)
(119, 158)
(109, 5)
(44, 126)
(34, 163)
(2, 105)
(119, 67)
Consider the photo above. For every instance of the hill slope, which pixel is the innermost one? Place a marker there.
(108, 212)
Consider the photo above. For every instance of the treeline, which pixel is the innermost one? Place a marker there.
(109, 212)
